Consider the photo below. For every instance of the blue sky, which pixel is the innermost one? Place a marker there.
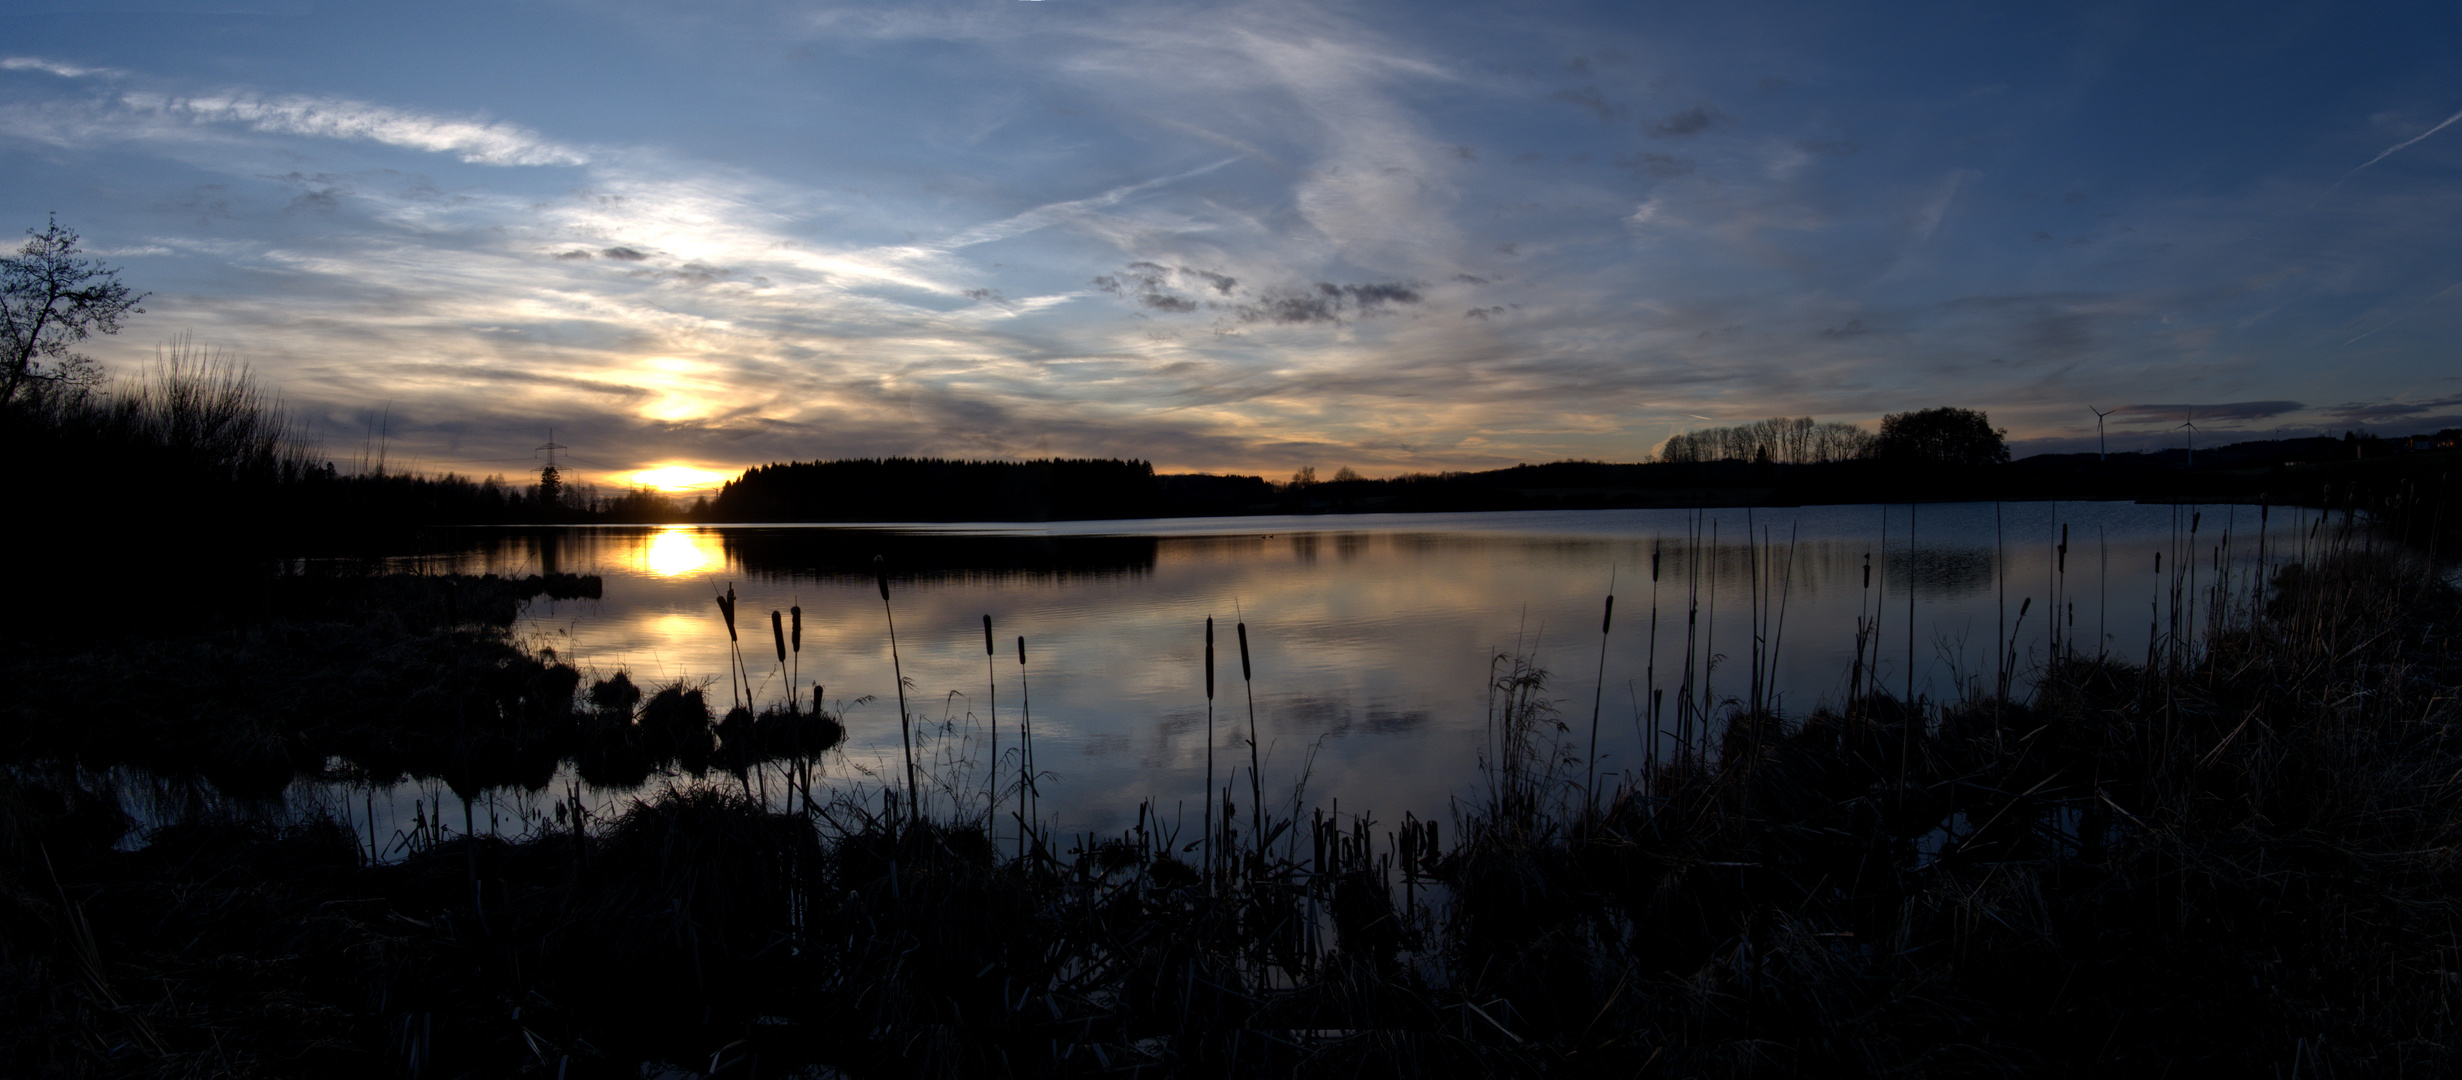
(1256, 236)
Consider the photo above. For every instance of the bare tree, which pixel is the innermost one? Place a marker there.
(1794, 440)
(50, 300)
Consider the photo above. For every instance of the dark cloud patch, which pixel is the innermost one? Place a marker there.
(1470, 279)
(1656, 166)
(1162, 288)
(1692, 121)
(1325, 303)
(981, 295)
(1829, 147)
(1853, 328)
(1220, 283)
(1590, 99)
(2058, 332)
(1528, 157)
(2370, 412)
(696, 273)
(2219, 412)
(1483, 314)
(319, 201)
(1465, 151)
(1509, 247)
(574, 255)
(2041, 236)
(623, 254)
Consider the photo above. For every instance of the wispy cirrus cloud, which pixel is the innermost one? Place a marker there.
(56, 67)
(479, 142)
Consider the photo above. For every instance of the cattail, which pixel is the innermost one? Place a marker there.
(1209, 658)
(795, 636)
(1246, 674)
(777, 633)
(987, 636)
(1609, 615)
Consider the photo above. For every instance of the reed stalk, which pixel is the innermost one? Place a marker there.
(897, 669)
(1649, 769)
(991, 777)
(1256, 783)
(1029, 795)
(1598, 694)
(1210, 853)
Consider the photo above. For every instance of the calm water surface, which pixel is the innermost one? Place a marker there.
(1373, 637)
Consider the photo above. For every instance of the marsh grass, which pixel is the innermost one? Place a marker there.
(2236, 858)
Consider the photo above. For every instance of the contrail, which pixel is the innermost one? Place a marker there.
(2389, 152)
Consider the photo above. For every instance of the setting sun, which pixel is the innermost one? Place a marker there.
(678, 478)
(678, 552)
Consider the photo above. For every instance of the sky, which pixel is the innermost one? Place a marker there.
(1255, 236)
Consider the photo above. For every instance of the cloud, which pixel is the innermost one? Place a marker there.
(622, 254)
(1326, 303)
(2396, 148)
(1591, 100)
(1658, 166)
(55, 67)
(2370, 412)
(1689, 122)
(475, 141)
(2218, 412)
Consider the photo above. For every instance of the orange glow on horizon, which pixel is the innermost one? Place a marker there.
(675, 479)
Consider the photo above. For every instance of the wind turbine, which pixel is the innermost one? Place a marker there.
(2099, 414)
(2191, 425)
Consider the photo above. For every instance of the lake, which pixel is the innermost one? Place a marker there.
(1374, 638)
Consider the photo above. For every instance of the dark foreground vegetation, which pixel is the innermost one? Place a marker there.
(2236, 857)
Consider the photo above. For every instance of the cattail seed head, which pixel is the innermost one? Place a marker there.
(777, 633)
(795, 635)
(987, 635)
(1021, 650)
(1609, 616)
(1245, 674)
(1209, 659)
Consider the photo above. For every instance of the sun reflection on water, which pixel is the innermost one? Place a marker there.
(677, 552)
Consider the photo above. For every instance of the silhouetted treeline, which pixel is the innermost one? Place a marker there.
(937, 489)
(1786, 440)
